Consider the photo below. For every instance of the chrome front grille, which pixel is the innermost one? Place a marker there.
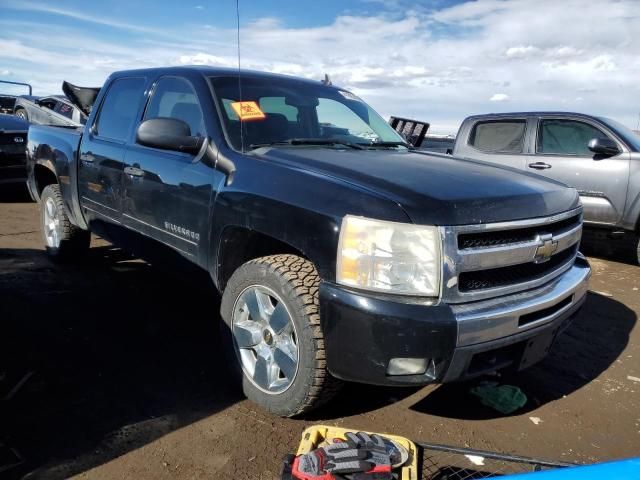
(484, 261)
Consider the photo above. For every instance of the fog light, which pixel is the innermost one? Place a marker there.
(407, 366)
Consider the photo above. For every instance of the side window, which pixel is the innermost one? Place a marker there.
(64, 109)
(566, 137)
(174, 97)
(118, 113)
(503, 136)
(48, 103)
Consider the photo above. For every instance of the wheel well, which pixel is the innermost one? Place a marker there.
(239, 245)
(43, 177)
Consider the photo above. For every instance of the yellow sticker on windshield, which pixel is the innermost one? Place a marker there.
(248, 111)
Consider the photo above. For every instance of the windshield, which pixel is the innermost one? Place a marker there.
(289, 111)
(632, 138)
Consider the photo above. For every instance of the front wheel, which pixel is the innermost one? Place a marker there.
(273, 336)
(63, 240)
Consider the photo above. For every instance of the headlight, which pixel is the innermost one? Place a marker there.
(389, 257)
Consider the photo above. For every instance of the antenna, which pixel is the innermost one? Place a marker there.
(239, 76)
(638, 125)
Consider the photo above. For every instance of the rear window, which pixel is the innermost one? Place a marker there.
(64, 110)
(504, 136)
(118, 113)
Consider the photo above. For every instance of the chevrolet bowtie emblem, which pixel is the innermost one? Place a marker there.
(547, 246)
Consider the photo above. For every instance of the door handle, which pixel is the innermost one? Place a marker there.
(134, 171)
(539, 165)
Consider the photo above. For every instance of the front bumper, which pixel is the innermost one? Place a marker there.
(13, 174)
(13, 168)
(364, 331)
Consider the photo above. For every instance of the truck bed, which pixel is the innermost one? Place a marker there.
(56, 146)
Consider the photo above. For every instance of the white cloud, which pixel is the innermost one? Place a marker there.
(499, 97)
(439, 65)
(590, 67)
(522, 51)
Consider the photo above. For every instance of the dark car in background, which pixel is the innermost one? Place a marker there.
(438, 143)
(13, 143)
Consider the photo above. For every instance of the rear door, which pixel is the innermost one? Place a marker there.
(562, 153)
(496, 140)
(167, 194)
(103, 147)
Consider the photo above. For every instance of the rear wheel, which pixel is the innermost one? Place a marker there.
(22, 113)
(273, 336)
(63, 240)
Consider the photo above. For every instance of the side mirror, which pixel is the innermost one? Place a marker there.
(604, 146)
(168, 134)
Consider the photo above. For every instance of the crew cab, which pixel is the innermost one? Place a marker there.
(596, 155)
(341, 254)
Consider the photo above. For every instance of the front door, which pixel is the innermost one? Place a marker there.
(562, 153)
(167, 194)
(103, 148)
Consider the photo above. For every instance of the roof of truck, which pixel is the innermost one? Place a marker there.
(213, 71)
(536, 113)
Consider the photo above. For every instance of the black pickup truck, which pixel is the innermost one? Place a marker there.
(341, 254)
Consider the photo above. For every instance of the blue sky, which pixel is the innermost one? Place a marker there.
(434, 60)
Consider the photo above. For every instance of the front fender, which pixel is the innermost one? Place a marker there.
(297, 207)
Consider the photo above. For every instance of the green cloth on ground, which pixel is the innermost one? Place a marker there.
(505, 399)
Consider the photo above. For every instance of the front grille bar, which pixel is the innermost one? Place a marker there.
(485, 261)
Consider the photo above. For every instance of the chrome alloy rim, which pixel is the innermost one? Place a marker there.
(265, 339)
(51, 223)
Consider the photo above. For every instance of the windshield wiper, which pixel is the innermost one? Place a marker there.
(388, 144)
(309, 141)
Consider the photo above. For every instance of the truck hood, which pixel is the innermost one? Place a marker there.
(436, 190)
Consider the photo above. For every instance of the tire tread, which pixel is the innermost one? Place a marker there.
(301, 275)
(74, 241)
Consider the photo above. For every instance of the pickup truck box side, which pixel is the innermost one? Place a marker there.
(273, 224)
(608, 182)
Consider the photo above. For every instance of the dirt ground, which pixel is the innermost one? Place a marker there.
(127, 381)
